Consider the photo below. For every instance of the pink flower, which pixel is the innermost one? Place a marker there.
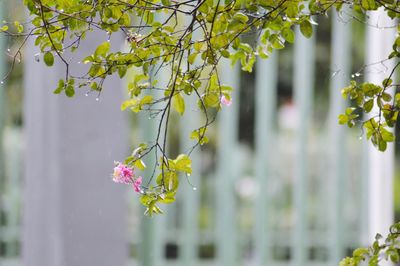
(225, 101)
(122, 174)
(137, 183)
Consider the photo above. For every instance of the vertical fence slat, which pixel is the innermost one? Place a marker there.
(340, 63)
(303, 96)
(153, 245)
(190, 122)
(152, 242)
(2, 107)
(265, 101)
(2, 88)
(226, 174)
(379, 42)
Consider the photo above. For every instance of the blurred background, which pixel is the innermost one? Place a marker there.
(279, 183)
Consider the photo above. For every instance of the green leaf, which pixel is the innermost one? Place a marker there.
(192, 58)
(369, 4)
(306, 28)
(360, 252)
(387, 135)
(169, 180)
(288, 35)
(4, 28)
(139, 164)
(60, 87)
(343, 119)
(382, 145)
(70, 91)
(48, 59)
(102, 49)
(178, 103)
(211, 100)
(128, 103)
(368, 105)
(183, 164)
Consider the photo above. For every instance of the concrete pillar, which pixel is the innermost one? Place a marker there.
(74, 215)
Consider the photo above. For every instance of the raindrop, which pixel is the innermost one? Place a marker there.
(97, 99)
(79, 62)
(188, 175)
(195, 188)
(2, 82)
(37, 57)
(87, 94)
(360, 138)
(357, 74)
(352, 76)
(8, 50)
(334, 74)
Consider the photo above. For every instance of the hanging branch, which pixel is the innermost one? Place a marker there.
(186, 40)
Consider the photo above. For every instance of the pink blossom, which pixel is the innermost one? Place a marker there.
(122, 174)
(225, 101)
(137, 183)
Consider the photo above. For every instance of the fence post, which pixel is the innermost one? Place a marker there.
(2, 108)
(73, 213)
(340, 63)
(226, 174)
(190, 122)
(152, 241)
(303, 96)
(265, 101)
(379, 42)
(2, 89)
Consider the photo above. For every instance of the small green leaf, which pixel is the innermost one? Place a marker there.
(387, 136)
(4, 28)
(48, 59)
(288, 35)
(102, 49)
(60, 87)
(128, 103)
(139, 164)
(306, 28)
(343, 119)
(382, 145)
(178, 103)
(368, 105)
(360, 252)
(368, 4)
(192, 58)
(70, 91)
(183, 164)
